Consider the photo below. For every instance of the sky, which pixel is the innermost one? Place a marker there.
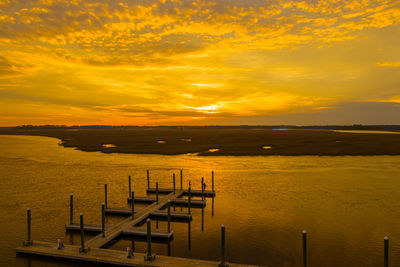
(199, 62)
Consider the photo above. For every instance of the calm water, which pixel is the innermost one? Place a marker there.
(347, 204)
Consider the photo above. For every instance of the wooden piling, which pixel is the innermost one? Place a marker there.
(222, 264)
(71, 208)
(173, 181)
(103, 220)
(212, 180)
(105, 195)
(148, 256)
(189, 199)
(157, 192)
(130, 188)
(181, 180)
(133, 204)
(28, 241)
(304, 248)
(82, 249)
(386, 251)
(169, 216)
(202, 188)
(148, 179)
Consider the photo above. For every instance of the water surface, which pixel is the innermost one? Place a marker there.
(347, 204)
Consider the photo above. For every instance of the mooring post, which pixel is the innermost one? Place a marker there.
(148, 179)
(202, 188)
(29, 241)
(82, 249)
(169, 216)
(386, 259)
(133, 204)
(105, 195)
(212, 180)
(130, 188)
(181, 180)
(222, 246)
(304, 248)
(157, 192)
(189, 199)
(103, 220)
(173, 181)
(71, 209)
(148, 256)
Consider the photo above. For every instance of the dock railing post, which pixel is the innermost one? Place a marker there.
(130, 187)
(181, 180)
(386, 257)
(189, 199)
(29, 241)
(222, 263)
(173, 181)
(304, 248)
(157, 192)
(149, 256)
(202, 188)
(169, 216)
(71, 209)
(133, 204)
(82, 248)
(148, 179)
(103, 220)
(105, 195)
(212, 180)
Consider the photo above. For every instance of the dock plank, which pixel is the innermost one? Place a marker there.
(175, 216)
(196, 193)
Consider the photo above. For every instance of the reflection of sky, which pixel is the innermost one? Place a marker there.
(347, 204)
(198, 62)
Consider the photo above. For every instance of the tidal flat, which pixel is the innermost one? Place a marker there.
(222, 142)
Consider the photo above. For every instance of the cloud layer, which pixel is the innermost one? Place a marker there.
(193, 62)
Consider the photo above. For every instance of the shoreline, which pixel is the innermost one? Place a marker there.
(206, 142)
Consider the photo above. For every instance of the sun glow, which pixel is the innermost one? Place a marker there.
(206, 109)
(198, 62)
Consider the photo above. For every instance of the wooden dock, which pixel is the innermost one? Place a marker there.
(140, 216)
(159, 208)
(109, 256)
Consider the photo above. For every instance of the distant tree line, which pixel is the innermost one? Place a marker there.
(182, 127)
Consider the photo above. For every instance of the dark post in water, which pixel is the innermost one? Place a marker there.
(133, 204)
(148, 256)
(103, 220)
(222, 246)
(82, 249)
(181, 180)
(29, 241)
(71, 209)
(157, 192)
(304, 248)
(105, 195)
(148, 179)
(386, 259)
(189, 199)
(130, 188)
(173, 181)
(169, 216)
(212, 180)
(202, 188)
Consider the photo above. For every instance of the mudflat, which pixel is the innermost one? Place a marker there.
(216, 142)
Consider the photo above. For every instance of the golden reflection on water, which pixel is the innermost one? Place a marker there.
(347, 204)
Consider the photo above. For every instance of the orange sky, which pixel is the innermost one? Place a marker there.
(199, 62)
